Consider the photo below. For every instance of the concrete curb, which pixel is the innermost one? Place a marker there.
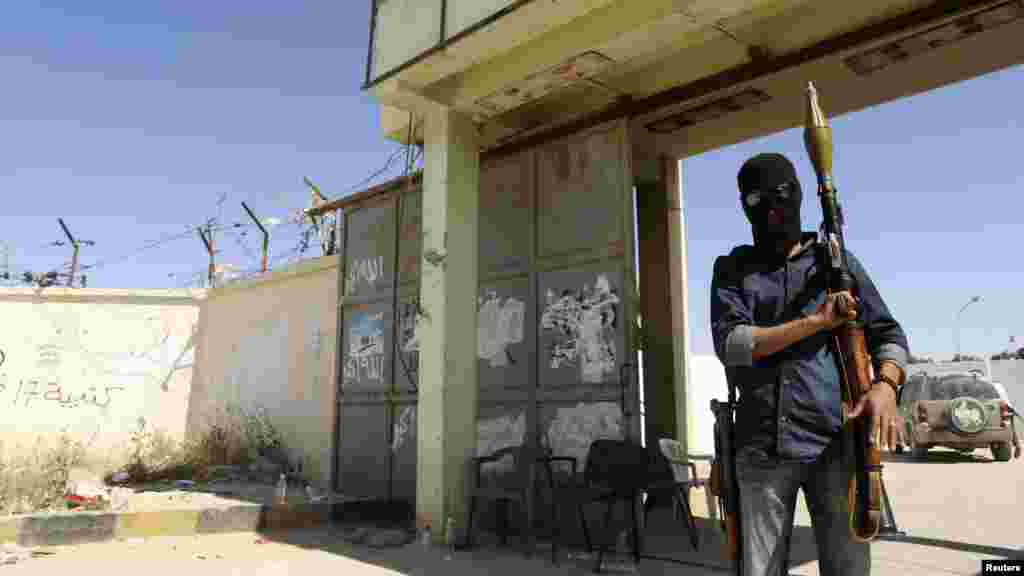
(67, 528)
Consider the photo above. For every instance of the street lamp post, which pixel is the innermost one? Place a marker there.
(957, 327)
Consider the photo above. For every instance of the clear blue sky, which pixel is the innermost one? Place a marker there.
(132, 121)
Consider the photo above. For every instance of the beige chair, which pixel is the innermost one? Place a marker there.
(686, 479)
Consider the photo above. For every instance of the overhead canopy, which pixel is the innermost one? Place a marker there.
(693, 74)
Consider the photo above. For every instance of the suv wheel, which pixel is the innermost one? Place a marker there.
(1001, 451)
(917, 451)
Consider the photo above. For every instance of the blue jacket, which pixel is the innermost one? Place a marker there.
(789, 403)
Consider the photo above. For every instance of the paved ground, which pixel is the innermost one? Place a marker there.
(957, 511)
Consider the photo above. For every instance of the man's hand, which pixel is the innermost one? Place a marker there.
(828, 313)
(880, 406)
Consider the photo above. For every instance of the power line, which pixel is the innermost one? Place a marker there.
(241, 243)
(160, 242)
(148, 246)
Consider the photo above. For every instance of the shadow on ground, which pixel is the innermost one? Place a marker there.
(999, 551)
(666, 550)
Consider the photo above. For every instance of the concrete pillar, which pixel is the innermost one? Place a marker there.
(655, 300)
(448, 374)
(671, 170)
(663, 287)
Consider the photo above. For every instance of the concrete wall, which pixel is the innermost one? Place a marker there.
(93, 362)
(272, 342)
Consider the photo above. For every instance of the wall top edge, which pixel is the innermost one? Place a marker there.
(303, 268)
(65, 294)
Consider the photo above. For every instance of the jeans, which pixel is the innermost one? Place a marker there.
(768, 493)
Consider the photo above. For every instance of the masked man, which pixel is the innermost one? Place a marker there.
(771, 321)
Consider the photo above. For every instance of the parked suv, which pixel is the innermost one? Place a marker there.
(963, 411)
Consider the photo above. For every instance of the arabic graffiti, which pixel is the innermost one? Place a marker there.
(33, 389)
(49, 355)
(366, 348)
(367, 270)
(586, 320)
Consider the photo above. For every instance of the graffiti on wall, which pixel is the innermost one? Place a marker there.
(574, 428)
(585, 320)
(364, 271)
(70, 370)
(25, 391)
(499, 324)
(32, 390)
(365, 357)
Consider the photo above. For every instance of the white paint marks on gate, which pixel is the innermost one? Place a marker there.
(585, 320)
(403, 425)
(407, 327)
(493, 434)
(500, 324)
(366, 348)
(575, 428)
(365, 271)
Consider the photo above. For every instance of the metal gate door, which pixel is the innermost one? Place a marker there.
(556, 303)
(557, 296)
(378, 358)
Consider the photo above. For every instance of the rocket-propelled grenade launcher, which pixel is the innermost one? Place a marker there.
(861, 456)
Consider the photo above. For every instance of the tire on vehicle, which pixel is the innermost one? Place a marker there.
(1001, 451)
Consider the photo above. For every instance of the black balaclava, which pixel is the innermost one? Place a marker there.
(770, 194)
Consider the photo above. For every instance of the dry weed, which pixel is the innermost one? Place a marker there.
(230, 437)
(38, 481)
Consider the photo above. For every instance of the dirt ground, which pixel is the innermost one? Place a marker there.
(229, 491)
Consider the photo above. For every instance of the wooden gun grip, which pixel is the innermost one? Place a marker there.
(865, 482)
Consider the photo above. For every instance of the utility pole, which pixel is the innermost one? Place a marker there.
(957, 325)
(75, 245)
(266, 238)
(208, 242)
(323, 227)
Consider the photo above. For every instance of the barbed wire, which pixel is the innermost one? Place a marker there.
(391, 159)
(295, 217)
